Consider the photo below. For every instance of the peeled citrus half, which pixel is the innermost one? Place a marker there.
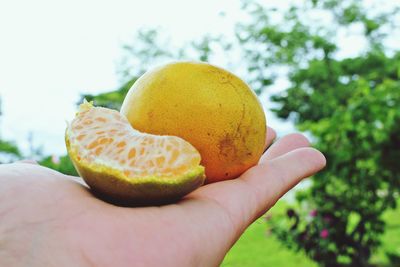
(126, 166)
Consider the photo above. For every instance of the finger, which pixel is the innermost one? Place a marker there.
(284, 145)
(274, 178)
(271, 135)
(251, 195)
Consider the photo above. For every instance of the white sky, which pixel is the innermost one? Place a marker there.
(51, 51)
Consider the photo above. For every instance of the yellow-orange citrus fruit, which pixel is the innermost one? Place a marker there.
(209, 107)
(129, 167)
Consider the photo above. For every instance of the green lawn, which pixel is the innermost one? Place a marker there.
(257, 248)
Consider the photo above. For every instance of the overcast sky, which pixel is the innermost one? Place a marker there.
(51, 51)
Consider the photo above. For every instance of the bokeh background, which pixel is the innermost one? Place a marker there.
(327, 68)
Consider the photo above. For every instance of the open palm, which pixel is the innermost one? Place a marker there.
(50, 219)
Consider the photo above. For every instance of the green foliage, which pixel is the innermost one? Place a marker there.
(9, 151)
(9, 148)
(350, 107)
(62, 164)
(361, 142)
(204, 48)
(257, 247)
(112, 99)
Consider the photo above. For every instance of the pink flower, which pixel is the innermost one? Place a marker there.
(324, 233)
(55, 159)
(313, 213)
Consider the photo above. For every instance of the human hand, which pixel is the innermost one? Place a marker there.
(50, 219)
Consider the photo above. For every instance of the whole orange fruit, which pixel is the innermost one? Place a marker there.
(209, 107)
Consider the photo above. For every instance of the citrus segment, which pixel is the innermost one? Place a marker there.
(104, 147)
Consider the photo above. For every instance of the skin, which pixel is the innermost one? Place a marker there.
(50, 219)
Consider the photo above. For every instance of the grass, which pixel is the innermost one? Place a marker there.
(258, 248)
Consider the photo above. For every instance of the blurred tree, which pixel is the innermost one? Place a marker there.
(351, 108)
(112, 99)
(62, 164)
(8, 150)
